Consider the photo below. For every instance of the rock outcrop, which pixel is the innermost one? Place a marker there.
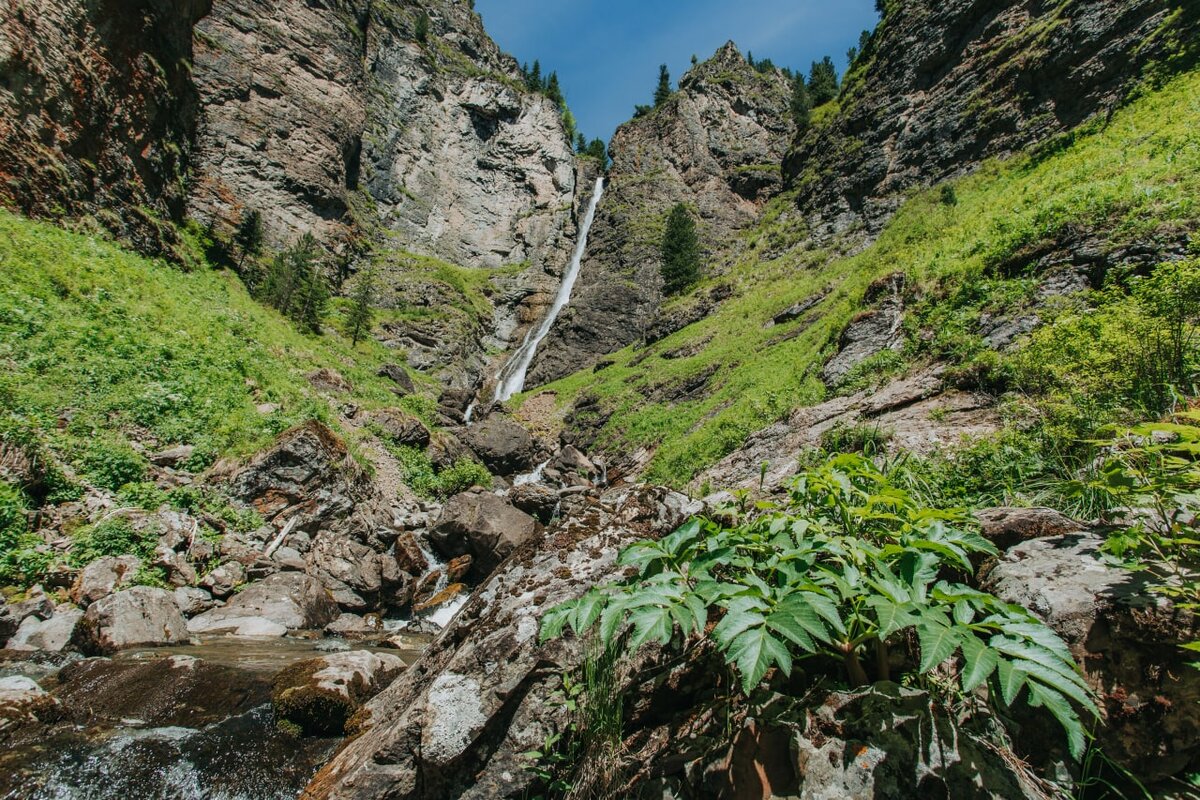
(139, 617)
(273, 606)
(321, 694)
(483, 526)
(715, 146)
(948, 84)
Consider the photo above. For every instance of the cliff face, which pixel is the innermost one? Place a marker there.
(715, 146)
(96, 111)
(947, 84)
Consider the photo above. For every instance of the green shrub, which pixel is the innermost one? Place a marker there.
(111, 537)
(867, 438)
(422, 478)
(843, 575)
(144, 495)
(111, 464)
(197, 501)
(22, 563)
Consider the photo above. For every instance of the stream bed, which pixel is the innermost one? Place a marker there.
(241, 755)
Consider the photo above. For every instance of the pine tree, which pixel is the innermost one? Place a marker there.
(663, 93)
(581, 143)
(295, 285)
(360, 316)
(598, 150)
(823, 81)
(249, 237)
(535, 77)
(554, 91)
(422, 27)
(801, 103)
(680, 251)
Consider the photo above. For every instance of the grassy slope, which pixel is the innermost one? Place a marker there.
(101, 346)
(1138, 174)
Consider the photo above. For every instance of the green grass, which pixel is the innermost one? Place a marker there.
(1135, 176)
(103, 349)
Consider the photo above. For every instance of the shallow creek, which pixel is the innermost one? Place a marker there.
(241, 756)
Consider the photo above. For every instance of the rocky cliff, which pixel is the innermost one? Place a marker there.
(715, 146)
(945, 85)
(96, 111)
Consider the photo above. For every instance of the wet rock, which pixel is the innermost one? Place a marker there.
(177, 690)
(481, 693)
(52, 634)
(105, 576)
(24, 702)
(223, 580)
(36, 604)
(353, 626)
(484, 526)
(504, 446)
(139, 617)
(178, 569)
(286, 600)
(321, 694)
(440, 598)
(1126, 638)
(458, 568)
(398, 375)
(408, 554)
(536, 499)
(401, 427)
(192, 601)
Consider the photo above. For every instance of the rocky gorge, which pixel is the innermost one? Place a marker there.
(868, 509)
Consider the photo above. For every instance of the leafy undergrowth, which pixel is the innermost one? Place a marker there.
(1130, 179)
(107, 354)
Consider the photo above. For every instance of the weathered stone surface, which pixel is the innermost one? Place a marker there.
(353, 626)
(54, 633)
(871, 332)
(99, 111)
(950, 84)
(172, 690)
(401, 427)
(398, 375)
(716, 146)
(23, 702)
(451, 726)
(321, 694)
(288, 600)
(347, 569)
(536, 499)
(484, 526)
(1007, 527)
(504, 446)
(1127, 640)
(222, 581)
(309, 474)
(192, 601)
(137, 617)
(104, 576)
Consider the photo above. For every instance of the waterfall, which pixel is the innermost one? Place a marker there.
(511, 379)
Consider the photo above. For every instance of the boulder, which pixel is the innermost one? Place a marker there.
(504, 446)
(104, 576)
(322, 693)
(409, 556)
(173, 456)
(271, 607)
(353, 626)
(446, 449)
(52, 634)
(139, 617)
(192, 601)
(36, 604)
(329, 380)
(1126, 638)
(309, 475)
(174, 690)
(223, 580)
(398, 375)
(346, 568)
(178, 569)
(1008, 527)
(401, 427)
(536, 499)
(484, 526)
(23, 702)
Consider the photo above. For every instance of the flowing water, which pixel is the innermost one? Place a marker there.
(511, 379)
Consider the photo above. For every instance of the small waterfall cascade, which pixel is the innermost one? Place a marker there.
(531, 477)
(441, 615)
(511, 379)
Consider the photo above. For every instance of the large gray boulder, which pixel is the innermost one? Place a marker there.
(505, 447)
(52, 634)
(349, 570)
(484, 526)
(104, 576)
(139, 617)
(23, 701)
(1127, 640)
(271, 607)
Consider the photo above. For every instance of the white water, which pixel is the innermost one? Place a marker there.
(470, 412)
(531, 477)
(511, 379)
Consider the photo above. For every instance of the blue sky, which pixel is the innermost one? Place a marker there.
(607, 53)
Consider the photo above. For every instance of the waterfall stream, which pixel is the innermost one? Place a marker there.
(511, 379)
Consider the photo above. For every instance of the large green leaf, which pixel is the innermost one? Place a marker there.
(1054, 702)
(891, 616)
(979, 662)
(938, 642)
(734, 623)
(754, 651)
(653, 622)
